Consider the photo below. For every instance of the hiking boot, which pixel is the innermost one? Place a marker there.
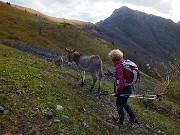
(120, 122)
(132, 120)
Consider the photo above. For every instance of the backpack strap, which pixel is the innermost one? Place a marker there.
(120, 63)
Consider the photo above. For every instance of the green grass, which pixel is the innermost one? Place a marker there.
(157, 119)
(44, 89)
(44, 86)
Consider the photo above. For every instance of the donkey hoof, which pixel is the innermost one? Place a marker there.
(98, 93)
(81, 84)
(90, 90)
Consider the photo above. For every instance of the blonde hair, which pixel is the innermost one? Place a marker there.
(115, 54)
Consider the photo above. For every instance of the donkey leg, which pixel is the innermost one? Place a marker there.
(82, 78)
(99, 84)
(61, 67)
(94, 77)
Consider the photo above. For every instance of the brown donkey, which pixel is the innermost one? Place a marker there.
(92, 64)
(59, 62)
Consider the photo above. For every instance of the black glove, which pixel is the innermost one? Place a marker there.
(117, 94)
(108, 73)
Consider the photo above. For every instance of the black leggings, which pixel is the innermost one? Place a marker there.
(121, 102)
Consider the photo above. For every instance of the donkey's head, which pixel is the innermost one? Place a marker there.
(72, 56)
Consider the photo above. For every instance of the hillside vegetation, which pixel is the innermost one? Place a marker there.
(76, 23)
(18, 25)
(30, 85)
(31, 88)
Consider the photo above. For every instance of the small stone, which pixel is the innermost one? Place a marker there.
(84, 124)
(159, 132)
(1, 109)
(56, 121)
(48, 113)
(59, 108)
(64, 118)
(18, 91)
(6, 111)
(84, 110)
(41, 87)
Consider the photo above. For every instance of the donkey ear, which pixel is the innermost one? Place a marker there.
(66, 49)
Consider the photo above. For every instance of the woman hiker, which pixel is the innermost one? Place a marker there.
(121, 101)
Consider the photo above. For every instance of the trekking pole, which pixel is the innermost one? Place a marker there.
(151, 97)
(146, 96)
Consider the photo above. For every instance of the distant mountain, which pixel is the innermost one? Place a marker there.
(158, 36)
(178, 22)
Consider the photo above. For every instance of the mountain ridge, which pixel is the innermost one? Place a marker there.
(139, 26)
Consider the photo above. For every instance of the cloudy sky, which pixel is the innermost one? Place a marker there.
(96, 10)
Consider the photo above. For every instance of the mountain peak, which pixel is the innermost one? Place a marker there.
(123, 9)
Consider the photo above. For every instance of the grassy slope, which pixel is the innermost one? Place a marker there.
(18, 25)
(54, 19)
(44, 86)
(41, 89)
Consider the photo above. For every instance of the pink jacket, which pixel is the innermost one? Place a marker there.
(118, 74)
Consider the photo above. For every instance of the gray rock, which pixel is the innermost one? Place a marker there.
(16, 90)
(159, 132)
(48, 113)
(1, 109)
(56, 121)
(59, 108)
(41, 87)
(6, 111)
(64, 118)
(115, 129)
(84, 124)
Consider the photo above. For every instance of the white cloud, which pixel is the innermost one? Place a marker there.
(160, 5)
(96, 10)
(149, 10)
(175, 12)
